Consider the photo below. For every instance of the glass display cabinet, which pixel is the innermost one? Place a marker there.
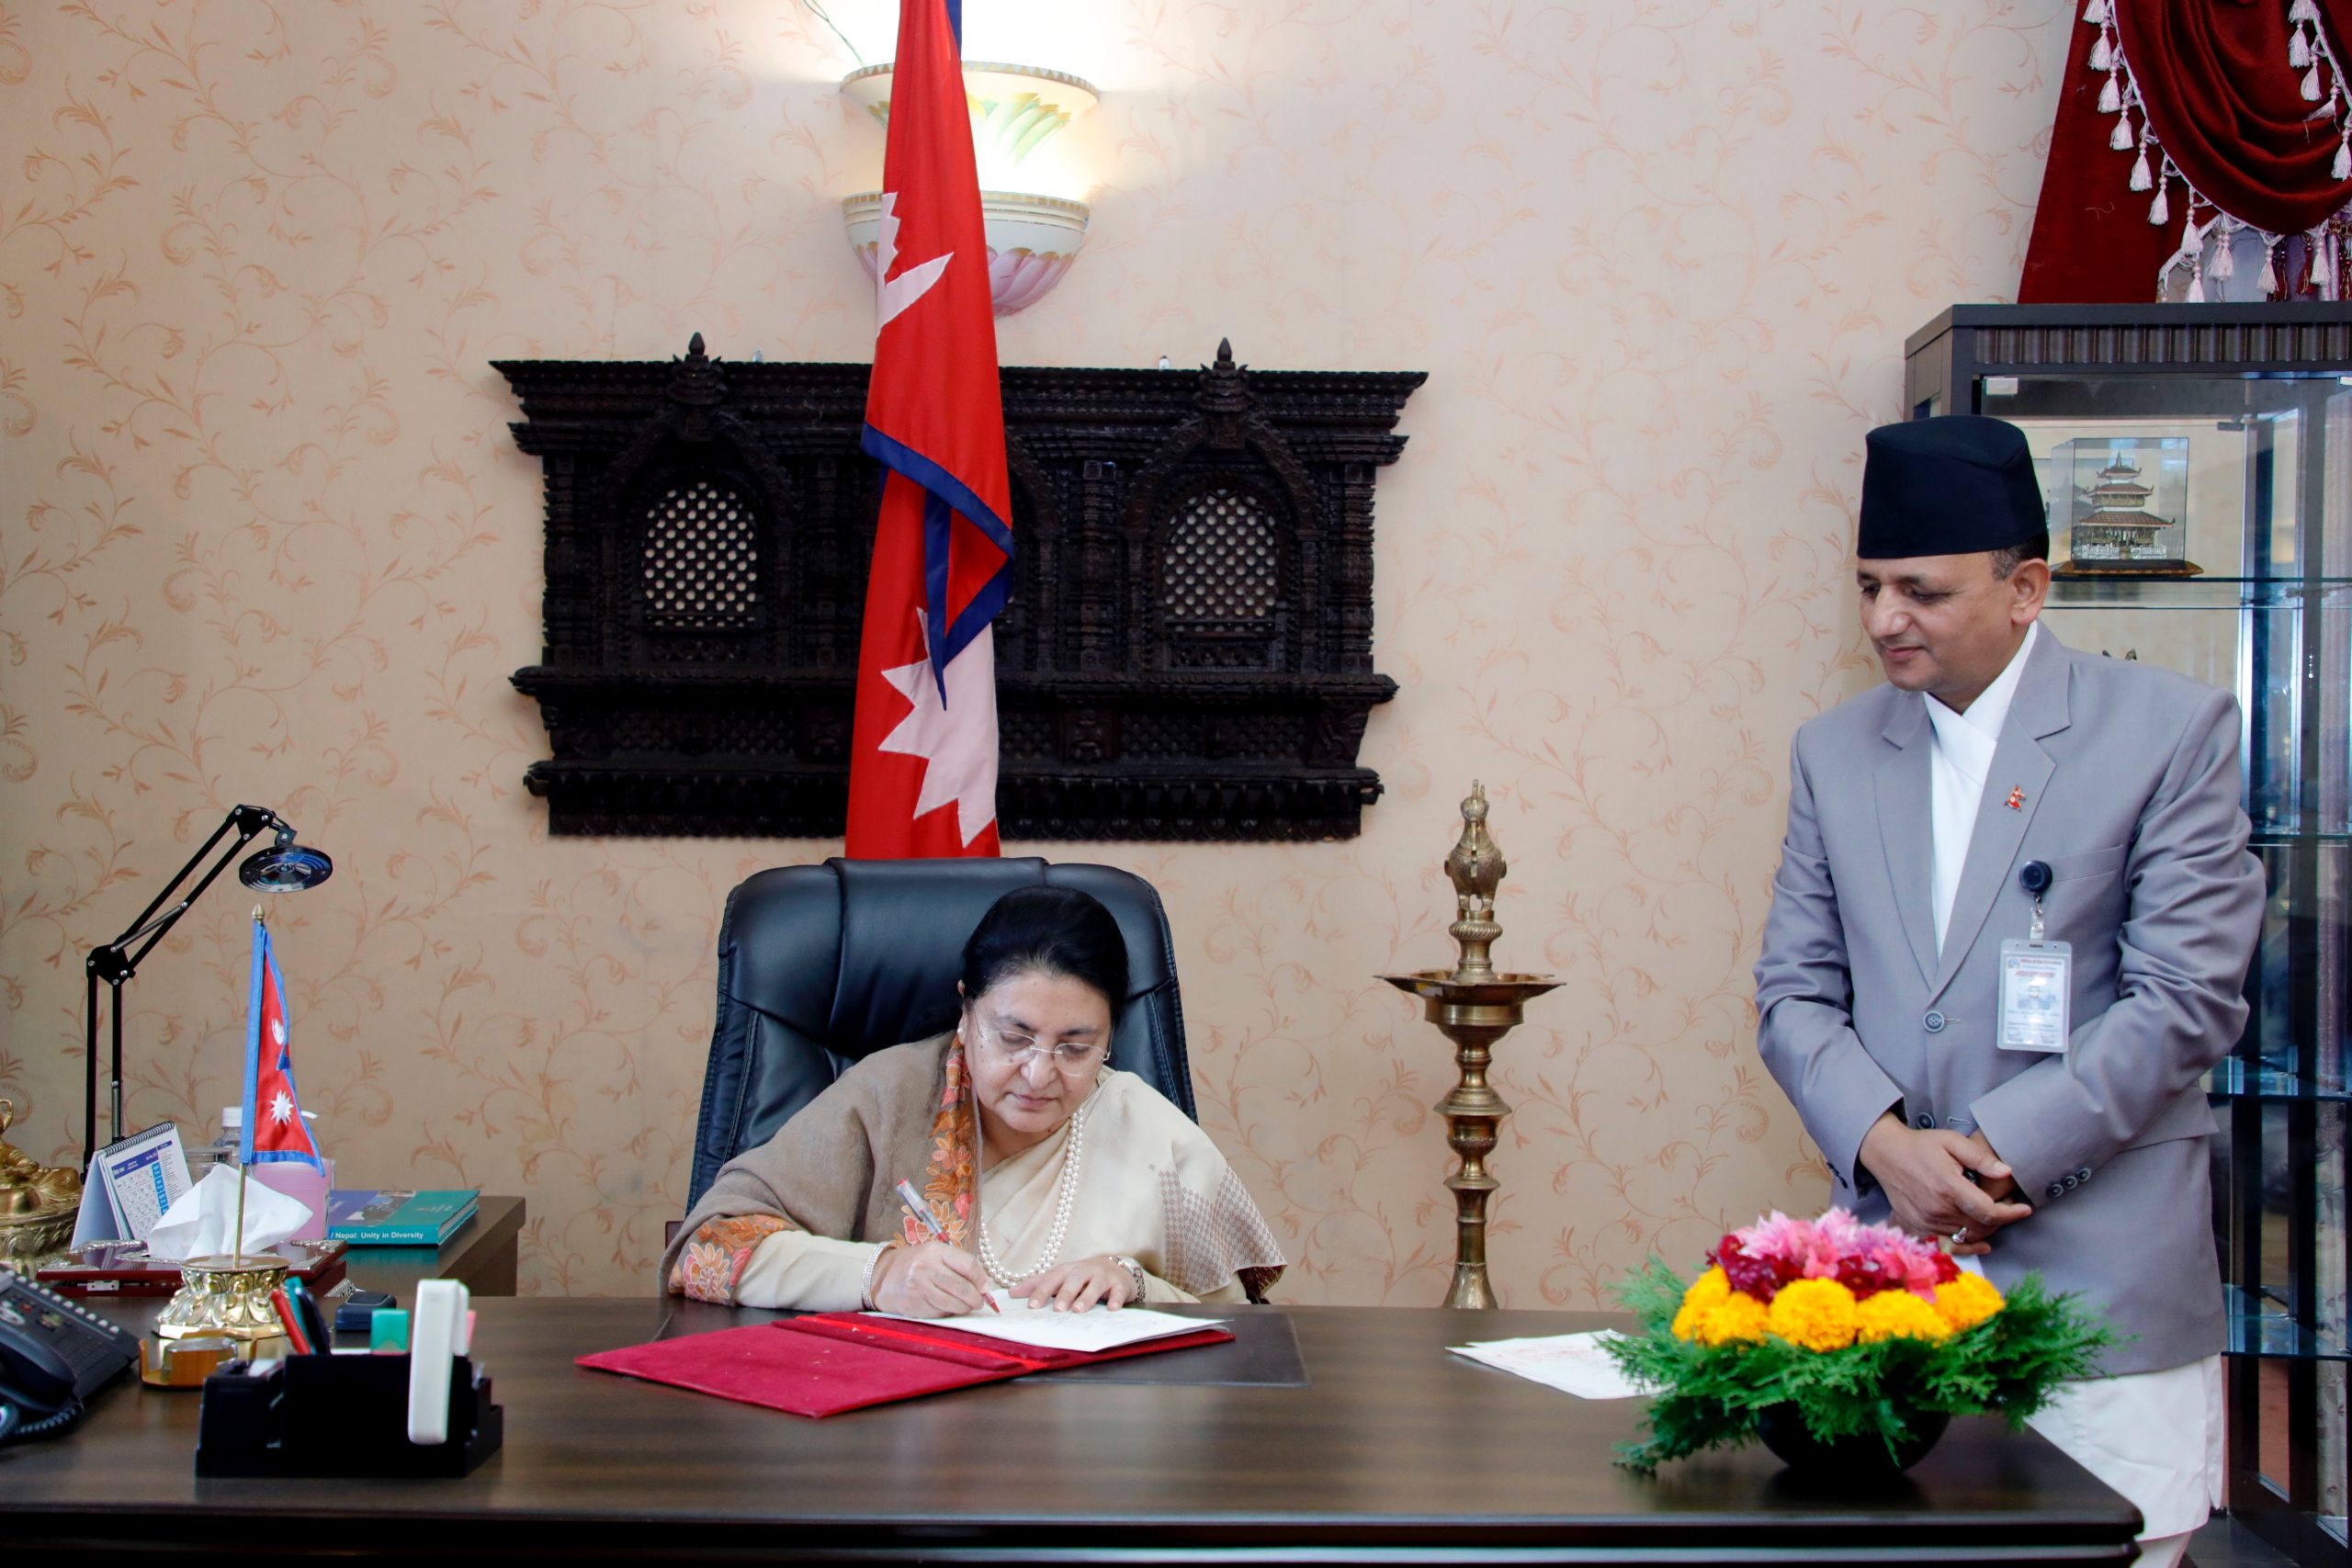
(2198, 464)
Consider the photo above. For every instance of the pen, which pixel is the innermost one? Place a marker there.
(912, 1200)
(289, 1320)
(316, 1327)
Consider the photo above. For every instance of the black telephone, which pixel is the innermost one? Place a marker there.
(54, 1355)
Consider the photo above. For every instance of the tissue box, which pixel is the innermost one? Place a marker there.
(306, 1187)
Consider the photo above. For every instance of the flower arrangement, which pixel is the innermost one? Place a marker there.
(1857, 1332)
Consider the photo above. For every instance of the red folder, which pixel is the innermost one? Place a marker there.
(828, 1362)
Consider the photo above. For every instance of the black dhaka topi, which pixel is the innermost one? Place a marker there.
(1951, 485)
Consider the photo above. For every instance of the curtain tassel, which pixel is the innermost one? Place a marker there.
(2102, 53)
(2160, 211)
(2141, 178)
(2122, 139)
(2270, 273)
(2095, 12)
(2310, 85)
(2342, 169)
(2225, 265)
(2299, 50)
(2303, 11)
(2110, 98)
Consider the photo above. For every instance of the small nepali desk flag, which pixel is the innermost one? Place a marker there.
(925, 737)
(274, 1129)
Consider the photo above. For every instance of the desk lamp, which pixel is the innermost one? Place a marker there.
(284, 867)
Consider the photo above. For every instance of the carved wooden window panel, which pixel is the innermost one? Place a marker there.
(1221, 598)
(1187, 653)
(699, 563)
(695, 543)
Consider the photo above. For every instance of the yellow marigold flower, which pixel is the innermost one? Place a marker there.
(1968, 1300)
(1708, 1290)
(1815, 1314)
(1735, 1320)
(1897, 1314)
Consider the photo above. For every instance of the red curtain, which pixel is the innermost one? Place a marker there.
(2227, 108)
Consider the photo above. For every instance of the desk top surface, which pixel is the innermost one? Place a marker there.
(1396, 1442)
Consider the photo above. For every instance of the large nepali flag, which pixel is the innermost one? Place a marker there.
(923, 756)
(274, 1129)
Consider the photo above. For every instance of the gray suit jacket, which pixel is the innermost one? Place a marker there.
(2130, 781)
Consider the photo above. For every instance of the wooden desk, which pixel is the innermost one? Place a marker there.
(481, 1255)
(1398, 1452)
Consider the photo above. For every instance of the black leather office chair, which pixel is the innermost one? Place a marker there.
(821, 965)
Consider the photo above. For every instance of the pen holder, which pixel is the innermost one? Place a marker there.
(347, 1415)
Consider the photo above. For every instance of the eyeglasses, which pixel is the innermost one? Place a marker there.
(1070, 1058)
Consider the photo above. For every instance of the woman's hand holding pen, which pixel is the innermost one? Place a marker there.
(936, 1280)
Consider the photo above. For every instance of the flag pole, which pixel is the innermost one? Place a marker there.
(237, 1242)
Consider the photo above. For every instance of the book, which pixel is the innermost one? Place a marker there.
(121, 1268)
(830, 1362)
(399, 1216)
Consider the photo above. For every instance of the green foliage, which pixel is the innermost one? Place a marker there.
(1710, 1397)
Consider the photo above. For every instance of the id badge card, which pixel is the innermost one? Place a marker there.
(2035, 984)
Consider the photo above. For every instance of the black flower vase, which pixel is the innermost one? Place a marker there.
(1861, 1458)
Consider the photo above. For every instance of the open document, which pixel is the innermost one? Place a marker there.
(1099, 1329)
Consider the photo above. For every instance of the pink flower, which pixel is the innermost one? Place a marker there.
(1866, 1260)
(1779, 1237)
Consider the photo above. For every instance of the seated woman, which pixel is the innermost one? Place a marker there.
(1053, 1176)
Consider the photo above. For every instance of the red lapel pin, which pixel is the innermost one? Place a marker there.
(2017, 798)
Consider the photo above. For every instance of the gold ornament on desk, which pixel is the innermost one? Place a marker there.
(1474, 1006)
(38, 1204)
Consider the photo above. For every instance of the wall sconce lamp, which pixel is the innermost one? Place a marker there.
(1033, 234)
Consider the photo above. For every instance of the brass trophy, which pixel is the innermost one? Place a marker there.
(1474, 1007)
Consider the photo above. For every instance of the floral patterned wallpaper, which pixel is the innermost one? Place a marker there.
(263, 537)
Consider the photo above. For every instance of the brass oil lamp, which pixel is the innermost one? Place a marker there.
(1474, 1005)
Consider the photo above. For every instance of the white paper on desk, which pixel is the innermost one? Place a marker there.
(1098, 1328)
(1573, 1363)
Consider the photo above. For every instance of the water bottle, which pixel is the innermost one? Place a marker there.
(223, 1150)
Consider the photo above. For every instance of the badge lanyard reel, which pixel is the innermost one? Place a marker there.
(2035, 978)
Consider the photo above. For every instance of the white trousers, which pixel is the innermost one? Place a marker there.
(2154, 1437)
(2158, 1438)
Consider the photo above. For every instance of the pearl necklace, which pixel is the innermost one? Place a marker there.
(1064, 1196)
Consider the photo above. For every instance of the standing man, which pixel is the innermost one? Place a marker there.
(2013, 914)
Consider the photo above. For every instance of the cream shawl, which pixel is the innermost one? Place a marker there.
(1150, 1183)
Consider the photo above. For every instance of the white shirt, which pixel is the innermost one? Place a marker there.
(1957, 764)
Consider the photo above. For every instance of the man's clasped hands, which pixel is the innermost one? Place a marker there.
(1943, 1184)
